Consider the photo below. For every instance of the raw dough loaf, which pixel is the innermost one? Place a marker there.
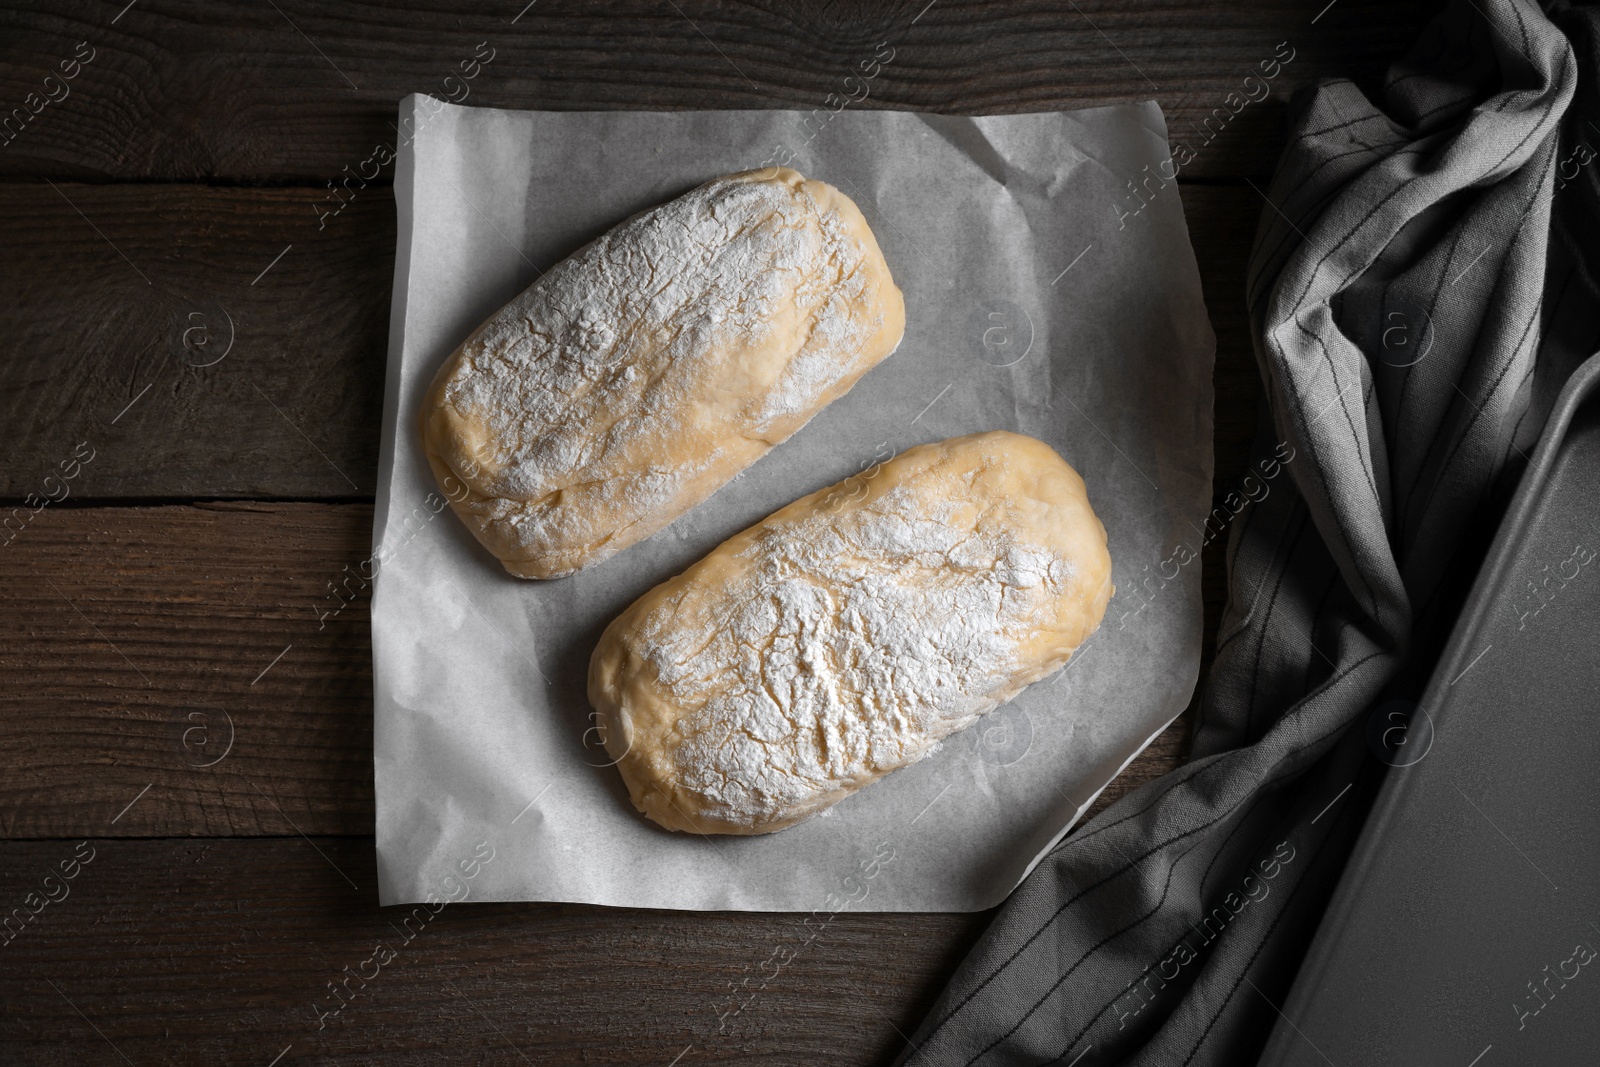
(635, 378)
(843, 636)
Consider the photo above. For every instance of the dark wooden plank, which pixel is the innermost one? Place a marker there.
(133, 646)
(119, 323)
(186, 90)
(293, 410)
(184, 952)
(136, 643)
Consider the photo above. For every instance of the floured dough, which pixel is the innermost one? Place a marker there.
(633, 379)
(841, 637)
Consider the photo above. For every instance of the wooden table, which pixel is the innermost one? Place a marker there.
(174, 195)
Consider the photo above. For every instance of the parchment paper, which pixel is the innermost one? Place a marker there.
(1050, 289)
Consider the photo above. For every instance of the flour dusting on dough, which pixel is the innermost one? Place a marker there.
(837, 643)
(636, 377)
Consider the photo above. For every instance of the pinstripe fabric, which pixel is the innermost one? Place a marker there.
(1167, 930)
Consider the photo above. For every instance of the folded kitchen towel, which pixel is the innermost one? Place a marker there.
(1423, 280)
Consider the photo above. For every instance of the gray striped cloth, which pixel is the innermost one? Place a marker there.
(1423, 280)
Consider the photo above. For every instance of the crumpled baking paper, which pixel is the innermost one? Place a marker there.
(1050, 289)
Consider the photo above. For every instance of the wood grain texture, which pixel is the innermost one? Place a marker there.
(120, 302)
(293, 410)
(185, 952)
(188, 90)
(134, 642)
(137, 643)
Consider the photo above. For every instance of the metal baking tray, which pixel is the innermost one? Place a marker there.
(1465, 929)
